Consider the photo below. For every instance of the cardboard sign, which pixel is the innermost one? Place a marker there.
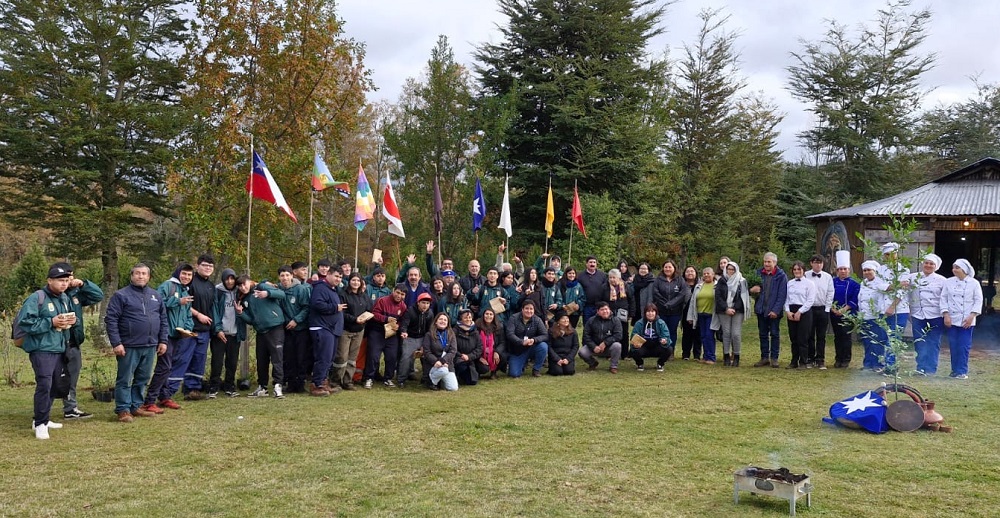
(364, 317)
(377, 256)
(637, 341)
(497, 305)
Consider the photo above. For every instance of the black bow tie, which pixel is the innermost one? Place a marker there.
(816, 274)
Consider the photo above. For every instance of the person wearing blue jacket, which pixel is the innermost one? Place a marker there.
(656, 339)
(261, 308)
(770, 301)
(45, 319)
(326, 325)
(136, 324)
(171, 366)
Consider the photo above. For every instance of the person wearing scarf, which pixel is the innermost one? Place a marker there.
(439, 352)
(925, 310)
(573, 297)
(642, 293)
(469, 347)
(732, 300)
(961, 302)
(491, 335)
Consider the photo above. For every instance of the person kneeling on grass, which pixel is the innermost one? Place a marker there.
(260, 307)
(469, 347)
(564, 347)
(439, 354)
(656, 339)
(526, 337)
(602, 336)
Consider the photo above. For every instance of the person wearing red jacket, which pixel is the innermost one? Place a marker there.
(387, 310)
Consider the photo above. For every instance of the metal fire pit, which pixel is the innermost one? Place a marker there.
(779, 483)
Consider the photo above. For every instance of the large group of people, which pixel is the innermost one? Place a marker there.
(330, 329)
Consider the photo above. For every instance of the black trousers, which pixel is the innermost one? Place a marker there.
(841, 339)
(798, 333)
(562, 370)
(817, 338)
(225, 354)
(270, 347)
(294, 358)
(651, 349)
(690, 341)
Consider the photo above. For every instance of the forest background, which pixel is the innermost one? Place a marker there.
(125, 134)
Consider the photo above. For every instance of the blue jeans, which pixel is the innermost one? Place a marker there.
(927, 342)
(195, 374)
(517, 362)
(707, 336)
(960, 343)
(874, 337)
(134, 371)
(672, 322)
(770, 336)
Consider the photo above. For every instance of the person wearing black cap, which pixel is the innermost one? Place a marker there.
(227, 333)
(46, 318)
(81, 294)
(414, 324)
(563, 345)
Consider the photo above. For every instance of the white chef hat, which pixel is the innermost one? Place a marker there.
(934, 258)
(966, 266)
(890, 247)
(843, 258)
(870, 265)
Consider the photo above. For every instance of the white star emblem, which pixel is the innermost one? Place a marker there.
(476, 207)
(860, 403)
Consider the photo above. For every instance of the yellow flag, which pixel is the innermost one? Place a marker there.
(550, 215)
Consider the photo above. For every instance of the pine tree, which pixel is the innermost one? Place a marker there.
(90, 112)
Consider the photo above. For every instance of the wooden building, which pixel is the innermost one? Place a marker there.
(958, 216)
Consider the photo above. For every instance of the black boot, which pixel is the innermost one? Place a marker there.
(736, 360)
(725, 360)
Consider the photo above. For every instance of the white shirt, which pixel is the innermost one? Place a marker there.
(824, 289)
(872, 299)
(925, 299)
(885, 274)
(800, 291)
(961, 298)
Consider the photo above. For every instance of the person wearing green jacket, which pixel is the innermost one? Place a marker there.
(81, 294)
(656, 339)
(227, 333)
(46, 318)
(554, 262)
(297, 355)
(261, 308)
(167, 377)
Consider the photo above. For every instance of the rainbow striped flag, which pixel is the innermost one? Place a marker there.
(364, 206)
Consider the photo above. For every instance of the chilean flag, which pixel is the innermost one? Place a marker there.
(261, 185)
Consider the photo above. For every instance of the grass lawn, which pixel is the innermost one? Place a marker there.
(635, 444)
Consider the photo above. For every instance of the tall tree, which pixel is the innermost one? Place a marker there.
(956, 135)
(580, 80)
(90, 112)
(865, 92)
(284, 73)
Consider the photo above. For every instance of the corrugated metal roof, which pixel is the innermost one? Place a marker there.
(956, 194)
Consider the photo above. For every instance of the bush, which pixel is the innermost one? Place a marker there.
(13, 361)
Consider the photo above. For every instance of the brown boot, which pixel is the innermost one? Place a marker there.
(317, 391)
(330, 389)
(125, 417)
(764, 362)
(142, 412)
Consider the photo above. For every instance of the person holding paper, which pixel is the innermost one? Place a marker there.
(358, 311)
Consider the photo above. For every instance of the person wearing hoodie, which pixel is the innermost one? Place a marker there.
(469, 349)
(732, 305)
(414, 324)
(227, 333)
(261, 307)
(770, 300)
(296, 356)
(180, 344)
(961, 302)
(656, 339)
(454, 301)
(552, 299)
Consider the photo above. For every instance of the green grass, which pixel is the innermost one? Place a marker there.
(635, 444)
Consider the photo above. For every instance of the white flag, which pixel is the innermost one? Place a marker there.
(505, 212)
(391, 210)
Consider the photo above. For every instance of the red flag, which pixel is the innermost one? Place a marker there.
(578, 212)
(391, 211)
(261, 185)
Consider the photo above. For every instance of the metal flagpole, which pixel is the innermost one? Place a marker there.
(312, 199)
(546, 219)
(250, 205)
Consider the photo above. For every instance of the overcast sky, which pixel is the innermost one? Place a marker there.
(399, 35)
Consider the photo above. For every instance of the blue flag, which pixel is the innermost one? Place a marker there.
(865, 411)
(478, 208)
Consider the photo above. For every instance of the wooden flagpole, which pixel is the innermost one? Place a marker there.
(357, 238)
(312, 199)
(244, 354)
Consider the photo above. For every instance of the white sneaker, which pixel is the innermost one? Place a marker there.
(41, 432)
(51, 425)
(260, 392)
(368, 384)
(277, 391)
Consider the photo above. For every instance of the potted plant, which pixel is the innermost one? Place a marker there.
(102, 379)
